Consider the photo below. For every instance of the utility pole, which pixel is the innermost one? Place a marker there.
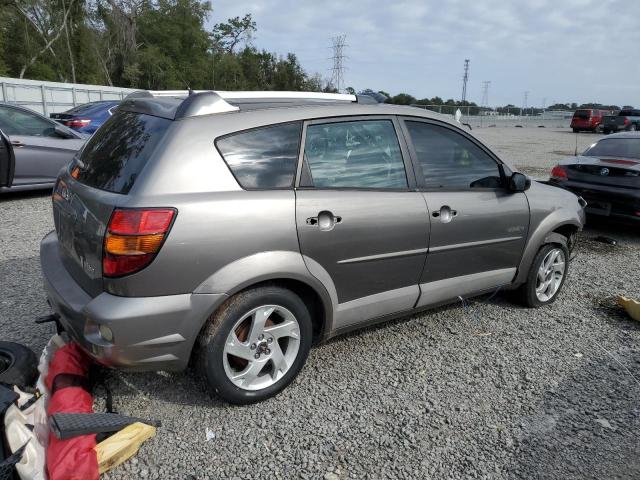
(525, 99)
(465, 79)
(337, 71)
(485, 93)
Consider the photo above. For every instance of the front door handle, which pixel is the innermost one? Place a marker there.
(17, 143)
(445, 214)
(325, 220)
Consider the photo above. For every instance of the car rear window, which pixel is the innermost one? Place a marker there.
(585, 114)
(263, 158)
(116, 154)
(615, 147)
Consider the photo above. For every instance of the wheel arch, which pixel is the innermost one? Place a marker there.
(283, 268)
(563, 233)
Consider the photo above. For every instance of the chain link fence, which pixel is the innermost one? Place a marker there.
(479, 117)
(52, 97)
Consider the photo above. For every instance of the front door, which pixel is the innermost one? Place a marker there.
(362, 230)
(478, 227)
(39, 151)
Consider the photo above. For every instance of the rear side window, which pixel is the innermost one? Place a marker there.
(116, 154)
(263, 158)
(360, 154)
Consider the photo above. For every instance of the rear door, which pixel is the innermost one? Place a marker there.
(7, 161)
(478, 227)
(362, 226)
(39, 151)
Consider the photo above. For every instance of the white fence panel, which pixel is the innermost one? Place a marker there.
(52, 97)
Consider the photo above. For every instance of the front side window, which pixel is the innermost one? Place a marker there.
(449, 160)
(264, 157)
(17, 122)
(358, 154)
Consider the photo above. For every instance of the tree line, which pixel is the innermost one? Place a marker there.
(159, 44)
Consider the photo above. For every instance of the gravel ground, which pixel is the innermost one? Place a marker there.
(490, 391)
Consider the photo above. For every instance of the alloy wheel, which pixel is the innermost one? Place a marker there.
(261, 347)
(550, 274)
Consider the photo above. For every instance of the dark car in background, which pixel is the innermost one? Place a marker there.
(606, 175)
(587, 119)
(88, 117)
(626, 120)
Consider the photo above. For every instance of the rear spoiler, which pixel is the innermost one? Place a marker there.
(177, 104)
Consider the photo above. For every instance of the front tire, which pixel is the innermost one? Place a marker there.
(255, 344)
(546, 276)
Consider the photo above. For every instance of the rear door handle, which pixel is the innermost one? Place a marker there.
(325, 220)
(445, 214)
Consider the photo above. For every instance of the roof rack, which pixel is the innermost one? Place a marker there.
(205, 102)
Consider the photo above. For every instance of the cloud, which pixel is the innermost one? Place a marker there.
(561, 50)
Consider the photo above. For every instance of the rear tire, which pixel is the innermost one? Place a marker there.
(606, 131)
(633, 127)
(533, 293)
(255, 344)
(18, 365)
(575, 130)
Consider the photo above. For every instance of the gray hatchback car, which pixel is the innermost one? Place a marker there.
(236, 229)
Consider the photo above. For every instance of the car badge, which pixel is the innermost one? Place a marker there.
(604, 172)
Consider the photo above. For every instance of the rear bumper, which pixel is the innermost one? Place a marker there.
(620, 203)
(148, 333)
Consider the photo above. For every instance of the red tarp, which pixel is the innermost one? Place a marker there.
(74, 458)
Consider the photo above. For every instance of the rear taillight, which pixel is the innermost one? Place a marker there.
(77, 122)
(559, 173)
(133, 238)
(626, 121)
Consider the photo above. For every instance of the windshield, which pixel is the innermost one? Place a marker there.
(615, 147)
(116, 154)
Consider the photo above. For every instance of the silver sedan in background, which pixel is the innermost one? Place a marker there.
(33, 149)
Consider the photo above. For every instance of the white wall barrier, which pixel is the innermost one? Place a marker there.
(51, 97)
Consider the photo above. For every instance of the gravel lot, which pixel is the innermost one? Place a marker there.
(491, 391)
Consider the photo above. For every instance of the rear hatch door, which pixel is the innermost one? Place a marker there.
(99, 180)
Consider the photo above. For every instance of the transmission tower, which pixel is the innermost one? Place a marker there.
(465, 79)
(337, 72)
(525, 100)
(485, 93)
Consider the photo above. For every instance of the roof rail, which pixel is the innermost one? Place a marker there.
(205, 102)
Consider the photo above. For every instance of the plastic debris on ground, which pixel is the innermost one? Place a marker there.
(631, 306)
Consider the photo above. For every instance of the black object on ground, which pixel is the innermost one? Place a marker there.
(69, 425)
(608, 240)
(18, 365)
(8, 464)
(7, 397)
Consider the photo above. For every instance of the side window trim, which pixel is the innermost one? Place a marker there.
(420, 182)
(303, 181)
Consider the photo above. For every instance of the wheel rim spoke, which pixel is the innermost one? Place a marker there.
(235, 347)
(285, 329)
(280, 365)
(247, 376)
(260, 316)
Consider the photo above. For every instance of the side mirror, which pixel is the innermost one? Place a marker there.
(519, 182)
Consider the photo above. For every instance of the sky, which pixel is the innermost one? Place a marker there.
(557, 50)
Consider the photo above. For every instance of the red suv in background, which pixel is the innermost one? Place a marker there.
(587, 119)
